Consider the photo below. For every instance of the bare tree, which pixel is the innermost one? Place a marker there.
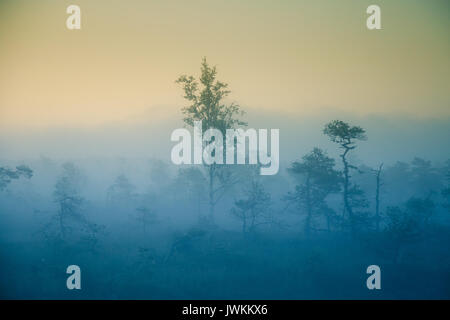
(377, 196)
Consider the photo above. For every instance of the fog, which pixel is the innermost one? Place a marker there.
(391, 138)
(110, 201)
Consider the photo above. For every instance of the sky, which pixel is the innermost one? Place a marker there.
(293, 59)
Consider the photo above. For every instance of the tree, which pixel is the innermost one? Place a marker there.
(398, 183)
(446, 191)
(206, 96)
(377, 196)
(146, 217)
(252, 209)
(359, 204)
(317, 179)
(407, 225)
(345, 135)
(192, 181)
(66, 195)
(121, 191)
(7, 175)
(425, 178)
(159, 175)
(446, 195)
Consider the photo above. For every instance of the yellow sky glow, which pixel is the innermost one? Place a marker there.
(301, 57)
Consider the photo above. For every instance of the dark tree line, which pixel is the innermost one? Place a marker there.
(319, 180)
(7, 175)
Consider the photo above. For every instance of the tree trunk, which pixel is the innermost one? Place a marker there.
(377, 199)
(347, 206)
(61, 224)
(308, 207)
(252, 226)
(211, 194)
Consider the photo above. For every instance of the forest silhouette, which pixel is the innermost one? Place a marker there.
(220, 231)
